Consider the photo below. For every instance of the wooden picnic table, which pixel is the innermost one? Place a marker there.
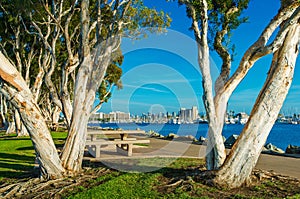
(124, 144)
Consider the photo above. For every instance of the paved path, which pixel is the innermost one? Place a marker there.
(163, 148)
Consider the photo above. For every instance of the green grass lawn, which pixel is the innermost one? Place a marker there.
(140, 185)
(156, 184)
(122, 186)
(173, 178)
(17, 154)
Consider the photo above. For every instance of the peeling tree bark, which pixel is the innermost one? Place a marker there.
(225, 85)
(90, 75)
(92, 68)
(15, 89)
(238, 166)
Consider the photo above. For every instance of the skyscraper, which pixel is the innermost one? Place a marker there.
(195, 113)
(188, 115)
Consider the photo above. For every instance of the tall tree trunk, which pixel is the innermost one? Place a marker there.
(72, 153)
(224, 86)
(245, 152)
(18, 122)
(92, 68)
(3, 112)
(215, 150)
(89, 77)
(15, 89)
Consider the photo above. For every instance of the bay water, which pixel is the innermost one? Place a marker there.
(281, 135)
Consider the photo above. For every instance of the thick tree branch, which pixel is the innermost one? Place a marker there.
(256, 51)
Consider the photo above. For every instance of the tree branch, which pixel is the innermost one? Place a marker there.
(257, 50)
(222, 51)
(99, 105)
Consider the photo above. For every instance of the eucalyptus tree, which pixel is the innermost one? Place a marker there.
(213, 23)
(113, 20)
(21, 49)
(235, 169)
(15, 89)
(60, 26)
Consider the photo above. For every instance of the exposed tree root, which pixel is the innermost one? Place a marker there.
(38, 189)
(262, 175)
(175, 184)
(56, 189)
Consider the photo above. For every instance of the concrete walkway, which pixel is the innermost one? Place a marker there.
(287, 166)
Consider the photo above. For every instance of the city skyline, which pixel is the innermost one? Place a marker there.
(182, 116)
(161, 73)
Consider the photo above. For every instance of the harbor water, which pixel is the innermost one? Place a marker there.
(281, 135)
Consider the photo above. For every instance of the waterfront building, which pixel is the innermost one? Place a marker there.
(188, 115)
(96, 117)
(118, 117)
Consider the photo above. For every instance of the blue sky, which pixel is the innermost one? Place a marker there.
(160, 73)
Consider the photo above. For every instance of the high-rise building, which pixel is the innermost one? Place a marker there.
(195, 113)
(188, 115)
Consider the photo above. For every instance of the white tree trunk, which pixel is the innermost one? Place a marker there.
(89, 77)
(245, 152)
(216, 154)
(11, 128)
(215, 151)
(55, 118)
(91, 73)
(15, 89)
(3, 111)
(72, 153)
(20, 128)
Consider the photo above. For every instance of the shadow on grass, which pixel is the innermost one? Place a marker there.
(16, 174)
(14, 138)
(17, 157)
(139, 166)
(9, 137)
(25, 148)
(15, 166)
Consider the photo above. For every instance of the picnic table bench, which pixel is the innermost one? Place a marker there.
(124, 145)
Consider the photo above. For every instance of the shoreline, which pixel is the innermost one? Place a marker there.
(201, 141)
(281, 135)
(158, 147)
